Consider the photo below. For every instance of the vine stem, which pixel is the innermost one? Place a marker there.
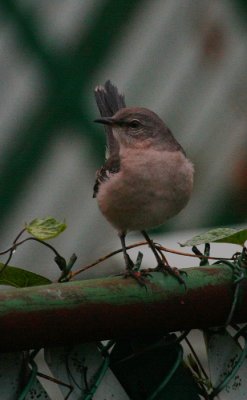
(144, 243)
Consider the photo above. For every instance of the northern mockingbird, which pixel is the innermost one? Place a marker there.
(147, 177)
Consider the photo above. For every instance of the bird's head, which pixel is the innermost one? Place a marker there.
(139, 127)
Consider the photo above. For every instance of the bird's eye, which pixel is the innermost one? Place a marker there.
(135, 123)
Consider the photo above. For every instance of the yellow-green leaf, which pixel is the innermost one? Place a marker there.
(46, 228)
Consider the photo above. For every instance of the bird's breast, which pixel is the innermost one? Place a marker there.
(151, 187)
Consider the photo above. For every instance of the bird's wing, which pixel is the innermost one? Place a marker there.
(109, 101)
(111, 166)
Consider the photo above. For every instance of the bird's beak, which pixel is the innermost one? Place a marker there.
(105, 120)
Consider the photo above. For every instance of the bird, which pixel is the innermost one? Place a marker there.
(147, 177)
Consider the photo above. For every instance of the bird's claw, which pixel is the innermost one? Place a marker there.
(167, 269)
(137, 275)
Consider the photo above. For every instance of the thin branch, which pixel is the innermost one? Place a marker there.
(132, 246)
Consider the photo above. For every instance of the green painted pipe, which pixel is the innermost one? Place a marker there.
(115, 307)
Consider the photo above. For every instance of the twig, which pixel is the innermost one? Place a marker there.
(132, 246)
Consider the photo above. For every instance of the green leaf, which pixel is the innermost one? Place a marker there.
(219, 235)
(46, 228)
(18, 277)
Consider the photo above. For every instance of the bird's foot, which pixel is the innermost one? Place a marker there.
(167, 269)
(139, 276)
(133, 270)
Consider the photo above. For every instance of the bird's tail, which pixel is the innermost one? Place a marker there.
(109, 101)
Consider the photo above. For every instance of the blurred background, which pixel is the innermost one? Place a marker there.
(187, 61)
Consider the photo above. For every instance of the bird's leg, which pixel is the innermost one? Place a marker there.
(162, 261)
(129, 263)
